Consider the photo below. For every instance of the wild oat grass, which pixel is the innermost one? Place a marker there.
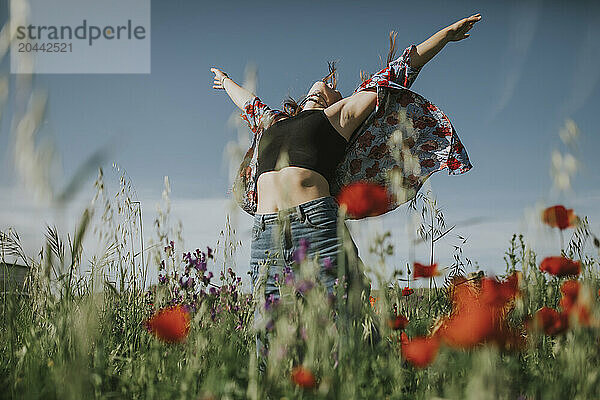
(83, 336)
(79, 330)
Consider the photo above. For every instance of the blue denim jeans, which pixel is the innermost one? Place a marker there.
(277, 236)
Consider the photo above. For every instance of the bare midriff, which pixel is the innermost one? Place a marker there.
(288, 187)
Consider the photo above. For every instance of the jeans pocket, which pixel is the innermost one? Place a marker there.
(322, 219)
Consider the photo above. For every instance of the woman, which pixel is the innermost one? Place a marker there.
(302, 155)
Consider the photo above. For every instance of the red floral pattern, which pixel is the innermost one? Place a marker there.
(355, 166)
(372, 152)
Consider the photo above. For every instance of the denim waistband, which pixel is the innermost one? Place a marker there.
(327, 202)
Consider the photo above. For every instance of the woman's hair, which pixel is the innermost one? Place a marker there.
(291, 107)
(390, 57)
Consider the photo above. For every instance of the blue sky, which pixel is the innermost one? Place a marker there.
(508, 89)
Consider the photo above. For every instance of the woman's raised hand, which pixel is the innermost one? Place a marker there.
(219, 75)
(458, 30)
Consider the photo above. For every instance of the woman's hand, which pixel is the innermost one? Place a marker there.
(219, 75)
(458, 30)
(238, 94)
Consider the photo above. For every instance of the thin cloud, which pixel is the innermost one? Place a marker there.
(521, 31)
(586, 69)
(203, 219)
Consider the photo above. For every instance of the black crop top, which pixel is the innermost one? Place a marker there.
(310, 140)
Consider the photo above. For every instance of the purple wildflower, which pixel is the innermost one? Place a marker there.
(288, 276)
(304, 286)
(270, 325)
(302, 250)
(206, 279)
(271, 302)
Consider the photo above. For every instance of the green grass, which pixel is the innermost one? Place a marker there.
(72, 339)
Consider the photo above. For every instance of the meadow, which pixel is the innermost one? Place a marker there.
(96, 325)
(106, 333)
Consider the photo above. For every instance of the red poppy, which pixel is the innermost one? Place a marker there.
(170, 324)
(559, 217)
(302, 377)
(478, 314)
(364, 199)
(403, 338)
(420, 351)
(508, 338)
(570, 293)
(571, 304)
(583, 314)
(551, 321)
(497, 293)
(398, 322)
(424, 271)
(470, 326)
(560, 266)
(407, 291)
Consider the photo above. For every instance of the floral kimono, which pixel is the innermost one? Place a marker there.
(400, 144)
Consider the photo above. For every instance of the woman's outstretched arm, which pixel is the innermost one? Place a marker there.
(238, 94)
(455, 32)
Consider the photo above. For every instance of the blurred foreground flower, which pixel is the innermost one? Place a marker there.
(170, 324)
(559, 217)
(573, 304)
(424, 271)
(364, 199)
(479, 313)
(302, 251)
(420, 351)
(551, 321)
(560, 266)
(570, 293)
(407, 291)
(302, 377)
(564, 167)
(398, 322)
